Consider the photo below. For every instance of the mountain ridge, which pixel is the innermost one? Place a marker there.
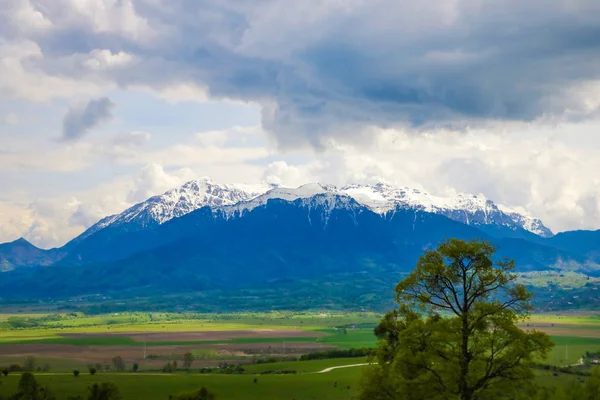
(315, 234)
(380, 198)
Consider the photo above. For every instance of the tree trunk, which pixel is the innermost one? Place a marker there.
(465, 390)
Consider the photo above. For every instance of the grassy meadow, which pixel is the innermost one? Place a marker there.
(62, 343)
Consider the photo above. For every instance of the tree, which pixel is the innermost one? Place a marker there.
(135, 367)
(454, 335)
(188, 360)
(103, 391)
(92, 370)
(29, 364)
(29, 389)
(588, 391)
(202, 394)
(118, 363)
(28, 386)
(76, 373)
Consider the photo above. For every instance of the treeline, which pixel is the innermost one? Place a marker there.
(348, 353)
(29, 389)
(31, 322)
(565, 370)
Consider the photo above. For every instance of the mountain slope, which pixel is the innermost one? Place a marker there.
(280, 240)
(581, 242)
(21, 253)
(311, 238)
(109, 239)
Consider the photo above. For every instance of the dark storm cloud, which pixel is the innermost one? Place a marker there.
(79, 120)
(322, 69)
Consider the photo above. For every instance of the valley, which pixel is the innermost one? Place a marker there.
(267, 347)
(272, 293)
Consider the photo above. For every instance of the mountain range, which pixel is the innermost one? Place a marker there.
(206, 236)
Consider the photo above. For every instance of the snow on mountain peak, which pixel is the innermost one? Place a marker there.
(180, 201)
(466, 208)
(234, 200)
(306, 191)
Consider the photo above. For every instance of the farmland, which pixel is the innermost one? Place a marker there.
(266, 345)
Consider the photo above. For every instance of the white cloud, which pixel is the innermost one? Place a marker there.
(73, 157)
(179, 92)
(25, 17)
(105, 16)
(21, 77)
(105, 59)
(154, 180)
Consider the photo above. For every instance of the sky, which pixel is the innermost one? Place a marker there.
(104, 103)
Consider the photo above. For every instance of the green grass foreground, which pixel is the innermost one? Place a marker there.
(337, 384)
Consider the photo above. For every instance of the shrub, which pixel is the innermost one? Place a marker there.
(15, 368)
(118, 363)
(29, 363)
(104, 391)
(168, 367)
(76, 373)
(202, 394)
(92, 370)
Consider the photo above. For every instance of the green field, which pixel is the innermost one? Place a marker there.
(574, 334)
(337, 384)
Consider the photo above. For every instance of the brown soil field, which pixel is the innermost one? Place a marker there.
(553, 329)
(232, 352)
(200, 335)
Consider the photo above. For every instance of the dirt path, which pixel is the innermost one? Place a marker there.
(340, 366)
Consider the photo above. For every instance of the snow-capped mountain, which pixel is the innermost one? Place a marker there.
(311, 194)
(180, 201)
(466, 208)
(235, 200)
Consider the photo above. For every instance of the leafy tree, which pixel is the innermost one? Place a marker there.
(92, 370)
(454, 334)
(76, 373)
(188, 360)
(104, 391)
(118, 363)
(29, 389)
(168, 367)
(135, 367)
(29, 364)
(28, 386)
(588, 391)
(5, 372)
(202, 394)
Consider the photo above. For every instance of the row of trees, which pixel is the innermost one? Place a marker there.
(29, 389)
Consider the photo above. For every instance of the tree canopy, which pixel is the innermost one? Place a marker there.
(454, 334)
